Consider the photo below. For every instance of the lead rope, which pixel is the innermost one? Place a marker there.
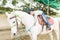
(32, 25)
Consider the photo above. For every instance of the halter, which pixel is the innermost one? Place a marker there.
(14, 21)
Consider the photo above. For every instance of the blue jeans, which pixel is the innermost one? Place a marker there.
(45, 20)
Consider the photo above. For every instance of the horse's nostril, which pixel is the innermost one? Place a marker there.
(9, 18)
(14, 34)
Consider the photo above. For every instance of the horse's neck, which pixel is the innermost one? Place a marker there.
(27, 19)
(21, 14)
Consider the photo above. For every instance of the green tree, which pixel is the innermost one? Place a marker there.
(4, 2)
(14, 2)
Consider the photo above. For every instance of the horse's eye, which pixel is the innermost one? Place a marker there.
(13, 21)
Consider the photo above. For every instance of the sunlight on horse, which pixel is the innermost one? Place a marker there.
(32, 26)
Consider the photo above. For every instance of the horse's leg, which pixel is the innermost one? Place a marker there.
(57, 33)
(33, 37)
(56, 29)
(51, 36)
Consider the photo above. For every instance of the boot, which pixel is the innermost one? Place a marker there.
(48, 28)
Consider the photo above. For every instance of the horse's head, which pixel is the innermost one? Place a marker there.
(12, 17)
(13, 21)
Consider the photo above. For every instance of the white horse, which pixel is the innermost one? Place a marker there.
(33, 28)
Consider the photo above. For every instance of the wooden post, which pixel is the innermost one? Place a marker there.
(48, 8)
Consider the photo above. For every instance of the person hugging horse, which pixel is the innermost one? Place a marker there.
(41, 15)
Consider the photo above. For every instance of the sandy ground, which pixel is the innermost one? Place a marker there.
(5, 35)
(22, 35)
(3, 22)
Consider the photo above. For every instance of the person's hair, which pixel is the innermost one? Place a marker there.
(28, 11)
